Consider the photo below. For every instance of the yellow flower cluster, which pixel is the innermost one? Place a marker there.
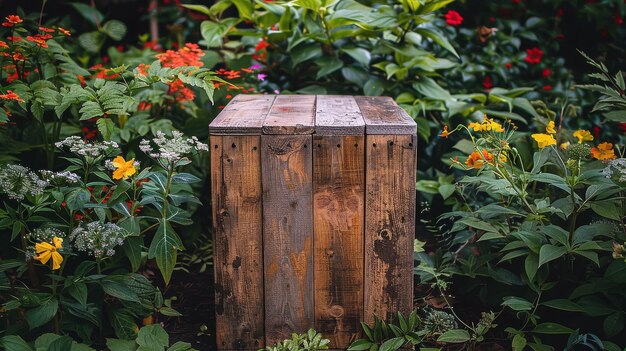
(488, 124)
(547, 138)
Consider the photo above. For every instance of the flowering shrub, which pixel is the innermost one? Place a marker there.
(106, 195)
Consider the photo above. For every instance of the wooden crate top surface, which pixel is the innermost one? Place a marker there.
(312, 114)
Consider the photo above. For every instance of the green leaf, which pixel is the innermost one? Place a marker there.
(563, 305)
(517, 304)
(429, 88)
(133, 247)
(14, 343)
(77, 198)
(121, 345)
(531, 265)
(305, 53)
(114, 29)
(614, 324)
(607, 209)
(123, 323)
(89, 13)
(245, 8)
(153, 337)
(360, 55)
(552, 328)
(393, 344)
(437, 38)
(105, 127)
(184, 178)
(42, 314)
(164, 248)
(454, 336)
(114, 286)
(548, 253)
(200, 8)
(63, 343)
(519, 342)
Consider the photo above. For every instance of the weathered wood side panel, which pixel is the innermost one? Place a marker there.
(291, 114)
(244, 114)
(238, 260)
(383, 116)
(287, 235)
(338, 198)
(389, 225)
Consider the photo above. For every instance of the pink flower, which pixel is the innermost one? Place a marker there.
(261, 76)
(453, 18)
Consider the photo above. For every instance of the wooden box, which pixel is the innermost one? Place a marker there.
(313, 215)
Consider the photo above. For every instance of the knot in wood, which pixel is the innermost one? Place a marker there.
(336, 311)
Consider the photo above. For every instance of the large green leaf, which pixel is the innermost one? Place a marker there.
(454, 336)
(437, 38)
(43, 313)
(164, 248)
(548, 253)
(14, 343)
(152, 337)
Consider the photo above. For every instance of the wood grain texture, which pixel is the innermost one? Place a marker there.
(287, 235)
(338, 198)
(237, 221)
(291, 114)
(383, 116)
(338, 115)
(389, 225)
(244, 114)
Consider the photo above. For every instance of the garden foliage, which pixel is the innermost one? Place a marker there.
(521, 161)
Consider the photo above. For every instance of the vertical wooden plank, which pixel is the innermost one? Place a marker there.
(237, 211)
(338, 188)
(287, 235)
(389, 225)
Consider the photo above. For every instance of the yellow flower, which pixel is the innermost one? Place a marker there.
(486, 125)
(445, 132)
(603, 152)
(583, 135)
(550, 128)
(46, 251)
(476, 160)
(564, 145)
(124, 169)
(544, 140)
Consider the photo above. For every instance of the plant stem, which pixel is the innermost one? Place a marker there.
(32, 273)
(170, 173)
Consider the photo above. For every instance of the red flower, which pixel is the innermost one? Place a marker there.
(618, 19)
(453, 18)
(261, 45)
(3, 45)
(533, 56)
(559, 13)
(560, 36)
(547, 87)
(187, 56)
(487, 82)
(508, 65)
(546, 73)
(12, 20)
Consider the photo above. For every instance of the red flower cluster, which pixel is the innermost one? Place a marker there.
(228, 74)
(12, 20)
(533, 56)
(103, 73)
(261, 49)
(10, 95)
(39, 39)
(180, 92)
(453, 18)
(188, 56)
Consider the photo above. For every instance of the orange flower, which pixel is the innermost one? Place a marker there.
(3, 45)
(603, 152)
(39, 40)
(12, 20)
(188, 56)
(444, 133)
(46, 30)
(64, 31)
(10, 95)
(477, 160)
(142, 69)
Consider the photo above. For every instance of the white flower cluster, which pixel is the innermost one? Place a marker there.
(172, 149)
(18, 181)
(616, 166)
(78, 146)
(59, 178)
(98, 239)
